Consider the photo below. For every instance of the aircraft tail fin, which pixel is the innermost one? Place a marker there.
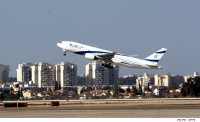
(157, 56)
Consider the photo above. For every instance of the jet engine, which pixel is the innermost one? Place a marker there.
(90, 56)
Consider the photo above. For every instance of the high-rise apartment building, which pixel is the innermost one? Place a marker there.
(4, 72)
(45, 74)
(162, 80)
(96, 74)
(142, 81)
(24, 72)
(66, 74)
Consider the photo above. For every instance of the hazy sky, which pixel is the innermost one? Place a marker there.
(30, 29)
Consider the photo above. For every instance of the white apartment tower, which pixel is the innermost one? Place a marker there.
(162, 80)
(34, 73)
(46, 75)
(142, 81)
(66, 74)
(96, 74)
(24, 72)
(43, 74)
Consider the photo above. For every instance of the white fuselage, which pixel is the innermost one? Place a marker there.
(118, 59)
(134, 62)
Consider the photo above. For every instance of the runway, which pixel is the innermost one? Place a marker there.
(156, 108)
(150, 113)
(105, 111)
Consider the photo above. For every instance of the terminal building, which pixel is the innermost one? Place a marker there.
(4, 73)
(96, 74)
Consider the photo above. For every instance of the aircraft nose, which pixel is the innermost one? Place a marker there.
(59, 44)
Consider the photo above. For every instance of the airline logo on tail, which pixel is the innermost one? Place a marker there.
(157, 56)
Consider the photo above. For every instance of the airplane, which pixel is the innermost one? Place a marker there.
(111, 59)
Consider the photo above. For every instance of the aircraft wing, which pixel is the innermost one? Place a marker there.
(106, 57)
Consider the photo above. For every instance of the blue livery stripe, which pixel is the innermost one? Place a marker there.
(152, 60)
(84, 52)
(161, 52)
